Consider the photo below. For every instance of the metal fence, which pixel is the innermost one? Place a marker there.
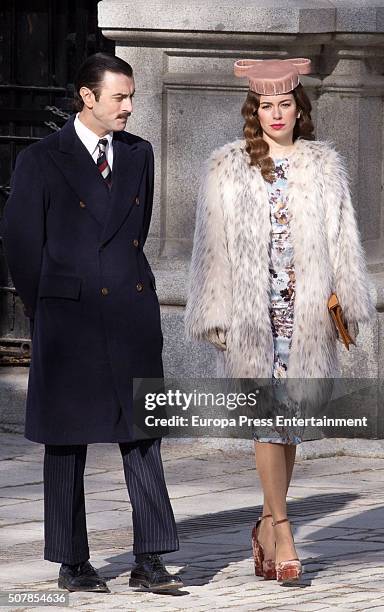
(42, 43)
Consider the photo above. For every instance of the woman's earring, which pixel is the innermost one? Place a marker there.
(298, 116)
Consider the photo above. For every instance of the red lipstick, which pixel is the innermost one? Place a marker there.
(277, 126)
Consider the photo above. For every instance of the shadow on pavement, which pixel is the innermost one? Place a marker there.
(211, 542)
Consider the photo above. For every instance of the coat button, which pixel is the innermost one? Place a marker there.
(135, 243)
(139, 287)
(137, 201)
(82, 204)
(104, 291)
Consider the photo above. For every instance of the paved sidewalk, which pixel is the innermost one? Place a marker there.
(336, 505)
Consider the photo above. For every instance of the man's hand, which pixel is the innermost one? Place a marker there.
(217, 337)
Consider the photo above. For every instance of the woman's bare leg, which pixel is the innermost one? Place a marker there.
(274, 464)
(290, 456)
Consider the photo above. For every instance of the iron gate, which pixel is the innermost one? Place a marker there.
(42, 43)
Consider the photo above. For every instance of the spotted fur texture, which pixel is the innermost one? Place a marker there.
(229, 285)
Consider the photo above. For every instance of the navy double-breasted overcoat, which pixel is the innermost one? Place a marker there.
(75, 252)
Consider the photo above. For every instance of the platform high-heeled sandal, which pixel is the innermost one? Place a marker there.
(290, 570)
(263, 567)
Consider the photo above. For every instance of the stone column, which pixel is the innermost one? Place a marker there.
(350, 111)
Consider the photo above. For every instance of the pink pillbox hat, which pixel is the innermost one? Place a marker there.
(272, 77)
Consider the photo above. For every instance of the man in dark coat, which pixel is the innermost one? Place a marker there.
(74, 229)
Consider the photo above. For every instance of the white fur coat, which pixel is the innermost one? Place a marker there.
(229, 285)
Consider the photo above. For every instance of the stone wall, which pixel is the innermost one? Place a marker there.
(188, 103)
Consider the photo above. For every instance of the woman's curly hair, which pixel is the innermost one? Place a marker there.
(256, 147)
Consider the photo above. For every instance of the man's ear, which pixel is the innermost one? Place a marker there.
(87, 96)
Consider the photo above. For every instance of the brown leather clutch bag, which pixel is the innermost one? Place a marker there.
(337, 315)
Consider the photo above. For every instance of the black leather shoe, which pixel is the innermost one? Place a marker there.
(151, 574)
(81, 577)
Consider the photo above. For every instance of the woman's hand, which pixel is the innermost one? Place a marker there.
(217, 337)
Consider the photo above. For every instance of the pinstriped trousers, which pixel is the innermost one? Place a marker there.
(64, 503)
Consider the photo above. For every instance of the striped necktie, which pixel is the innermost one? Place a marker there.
(102, 162)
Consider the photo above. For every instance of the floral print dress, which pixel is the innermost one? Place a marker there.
(281, 269)
(282, 278)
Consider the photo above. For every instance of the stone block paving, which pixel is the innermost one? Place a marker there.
(335, 503)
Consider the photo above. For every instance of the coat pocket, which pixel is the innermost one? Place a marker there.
(54, 285)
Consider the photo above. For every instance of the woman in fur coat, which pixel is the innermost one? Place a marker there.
(275, 235)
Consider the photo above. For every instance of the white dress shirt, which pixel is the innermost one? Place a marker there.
(90, 141)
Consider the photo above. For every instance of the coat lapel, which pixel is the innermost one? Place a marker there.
(312, 327)
(250, 341)
(129, 163)
(81, 172)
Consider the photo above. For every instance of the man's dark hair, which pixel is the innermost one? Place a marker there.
(91, 74)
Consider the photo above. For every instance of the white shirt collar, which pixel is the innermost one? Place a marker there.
(88, 138)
